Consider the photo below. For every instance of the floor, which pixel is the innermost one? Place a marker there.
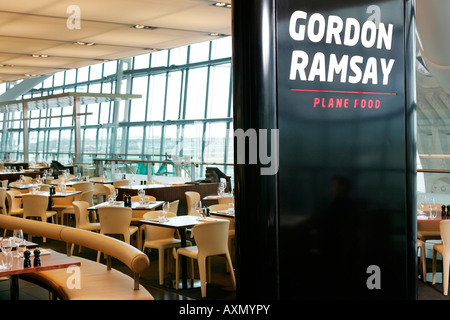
(220, 287)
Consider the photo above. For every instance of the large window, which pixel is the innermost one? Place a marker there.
(184, 112)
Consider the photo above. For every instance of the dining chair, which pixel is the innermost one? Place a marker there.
(123, 182)
(99, 192)
(444, 250)
(4, 183)
(109, 190)
(192, 199)
(231, 229)
(44, 187)
(82, 219)
(116, 221)
(35, 206)
(173, 206)
(225, 200)
(161, 239)
(63, 205)
(14, 204)
(3, 208)
(211, 239)
(83, 186)
(136, 198)
(423, 264)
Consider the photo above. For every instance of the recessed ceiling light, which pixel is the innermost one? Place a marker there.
(84, 43)
(35, 55)
(141, 26)
(221, 5)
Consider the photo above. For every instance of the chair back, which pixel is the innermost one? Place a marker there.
(4, 183)
(83, 186)
(13, 202)
(136, 198)
(44, 187)
(192, 199)
(211, 237)
(217, 207)
(64, 201)
(155, 232)
(27, 179)
(114, 220)
(85, 196)
(109, 189)
(3, 201)
(99, 188)
(81, 213)
(173, 206)
(123, 182)
(35, 205)
(444, 229)
(225, 200)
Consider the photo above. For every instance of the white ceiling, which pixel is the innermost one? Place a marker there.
(30, 27)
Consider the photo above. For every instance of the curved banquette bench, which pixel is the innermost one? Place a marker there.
(98, 281)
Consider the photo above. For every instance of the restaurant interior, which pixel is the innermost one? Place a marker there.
(126, 106)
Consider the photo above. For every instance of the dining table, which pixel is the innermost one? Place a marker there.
(50, 260)
(181, 224)
(58, 194)
(138, 210)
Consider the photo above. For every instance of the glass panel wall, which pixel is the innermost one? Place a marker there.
(184, 113)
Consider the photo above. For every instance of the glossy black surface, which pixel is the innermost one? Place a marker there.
(343, 199)
(254, 100)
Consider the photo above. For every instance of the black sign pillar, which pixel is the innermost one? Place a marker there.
(324, 148)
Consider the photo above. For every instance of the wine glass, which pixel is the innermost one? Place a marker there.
(19, 242)
(116, 193)
(7, 252)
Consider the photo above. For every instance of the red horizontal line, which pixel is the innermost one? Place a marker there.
(337, 91)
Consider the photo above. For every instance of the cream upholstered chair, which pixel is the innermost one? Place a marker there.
(35, 206)
(4, 183)
(159, 238)
(99, 192)
(211, 239)
(44, 187)
(136, 198)
(109, 190)
(444, 250)
(83, 196)
(423, 265)
(14, 204)
(173, 206)
(116, 220)
(3, 208)
(27, 179)
(192, 199)
(231, 230)
(63, 204)
(83, 186)
(82, 219)
(225, 200)
(123, 182)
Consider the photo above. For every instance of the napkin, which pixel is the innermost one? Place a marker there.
(43, 252)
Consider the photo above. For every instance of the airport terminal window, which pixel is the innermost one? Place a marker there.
(186, 100)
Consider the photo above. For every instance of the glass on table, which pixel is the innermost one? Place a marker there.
(111, 199)
(7, 257)
(19, 242)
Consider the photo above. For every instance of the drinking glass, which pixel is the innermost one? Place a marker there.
(116, 193)
(19, 242)
(7, 245)
(433, 212)
(111, 199)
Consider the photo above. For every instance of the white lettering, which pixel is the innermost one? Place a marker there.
(386, 70)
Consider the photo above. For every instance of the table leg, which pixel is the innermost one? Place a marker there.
(182, 233)
(14, 287)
